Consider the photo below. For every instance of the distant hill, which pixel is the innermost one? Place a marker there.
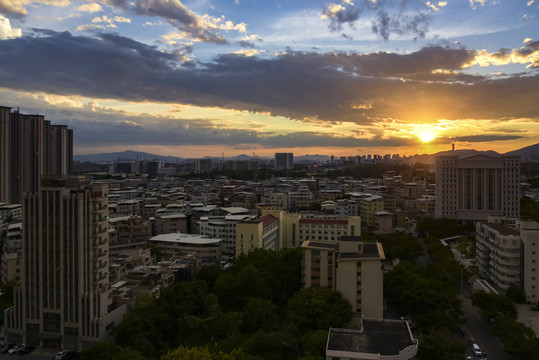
(528, 152)
(128, 155)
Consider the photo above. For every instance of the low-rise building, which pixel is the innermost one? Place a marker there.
(376, 340)
(258, 234)
(208, 249)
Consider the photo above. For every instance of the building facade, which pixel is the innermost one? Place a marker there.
(284, 161)
(507, 252)
(258, 234)
(30, 147)
(350, 266)
(472, 187)
(63, 300)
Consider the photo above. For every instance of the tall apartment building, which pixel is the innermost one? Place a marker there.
(284, 161)
(31, 148)
(472, 187)
(63, 300)
(350, 266)
(508, 254)
(5, 154)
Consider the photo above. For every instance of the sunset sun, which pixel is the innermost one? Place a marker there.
(426, 136)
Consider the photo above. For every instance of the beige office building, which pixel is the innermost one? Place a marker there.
(63, 300)
(472, 187)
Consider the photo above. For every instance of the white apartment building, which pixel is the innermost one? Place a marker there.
(508, 254)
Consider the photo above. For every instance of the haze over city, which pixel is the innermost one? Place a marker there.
(198, 78)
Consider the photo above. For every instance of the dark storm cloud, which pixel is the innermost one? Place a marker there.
(485, 138)
(389, 18)
(332, 87)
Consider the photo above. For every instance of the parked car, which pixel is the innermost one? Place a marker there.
(26, 350)
(5, 348)
(67, 355)
(14, 349)
(60, 355)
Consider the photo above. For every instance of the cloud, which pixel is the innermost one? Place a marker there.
(18, 7)
(6, 31)
(110, 21)
(474, 4)
(91, 8)
(203, 28)
(528, 54)
(339, 15)
(437, 6)
(249, 40)
(331, 88)
(485, 138)
(388, 18)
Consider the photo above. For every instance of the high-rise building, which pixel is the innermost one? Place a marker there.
(5, 153)
(203, 166)
(472, 187)
(284, 161)
(63, 300)
(30, 147)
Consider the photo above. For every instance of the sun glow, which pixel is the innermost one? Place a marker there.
(426, 135)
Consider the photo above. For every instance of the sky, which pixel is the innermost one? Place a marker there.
(227, 77)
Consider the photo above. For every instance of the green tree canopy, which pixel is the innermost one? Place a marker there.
(317, 308)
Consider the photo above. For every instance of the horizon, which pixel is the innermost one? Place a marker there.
(343, 78)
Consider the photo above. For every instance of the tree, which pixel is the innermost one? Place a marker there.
(209, 273)
(516, 294)
(317, 308)
(259, 314)
(186, 353)
(436, 346)
(314, 343)
(110, 351)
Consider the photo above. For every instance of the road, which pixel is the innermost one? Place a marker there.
(476, 328)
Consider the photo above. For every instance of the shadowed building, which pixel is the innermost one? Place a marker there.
(63, 300)
(376, 340)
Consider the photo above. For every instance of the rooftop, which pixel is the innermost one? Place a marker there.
(384, 337)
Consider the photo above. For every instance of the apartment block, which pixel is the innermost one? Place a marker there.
(128, 233)
(258, 234)
(284, 161)
(223, 227)
(350, 266)
(63, 300)
(508, 254)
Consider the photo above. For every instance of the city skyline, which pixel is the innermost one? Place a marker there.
(199, 78)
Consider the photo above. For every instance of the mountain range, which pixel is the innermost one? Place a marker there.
(529, 152)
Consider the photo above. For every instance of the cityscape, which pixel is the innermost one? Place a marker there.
(241, 180)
